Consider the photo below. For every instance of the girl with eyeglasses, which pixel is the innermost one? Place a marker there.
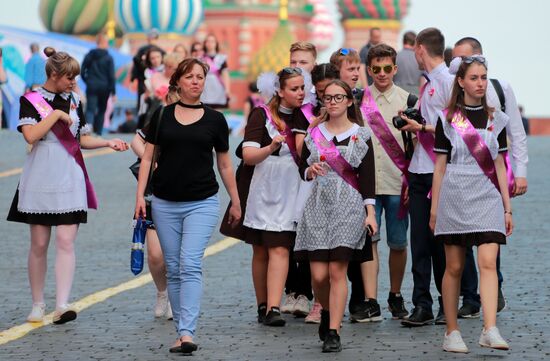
(338, 217)
(470, 138)
(268, 184)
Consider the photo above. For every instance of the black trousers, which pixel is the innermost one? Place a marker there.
(426, 252)
(469, 282)
(298, 279)
(357, 290)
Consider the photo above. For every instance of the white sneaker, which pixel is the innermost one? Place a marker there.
(453, 342)
(168, 313)
(301, 307)
(288, 305)
(492, 339)
(37, 312)
(162, 302)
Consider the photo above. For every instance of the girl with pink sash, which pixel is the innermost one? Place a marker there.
(216, 88)
(337, 157)
(54, 188)
(470, 200)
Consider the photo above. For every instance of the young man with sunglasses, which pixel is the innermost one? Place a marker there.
(467, 47)
(387, 101)
(427, 254)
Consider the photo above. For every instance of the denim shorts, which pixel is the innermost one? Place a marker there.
(396, 229)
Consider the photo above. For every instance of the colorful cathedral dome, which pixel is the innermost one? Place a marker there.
(75, 17)
(373, 9)
(173, 16)
(273, 56)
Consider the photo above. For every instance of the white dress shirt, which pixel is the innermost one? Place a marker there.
(514, 129)
(434, 99)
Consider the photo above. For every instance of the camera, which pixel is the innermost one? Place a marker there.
(411, 113)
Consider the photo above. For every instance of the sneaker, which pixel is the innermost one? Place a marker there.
(440, 319)
(396, 305)
(301, 307)
(262, 311)
(468, 311)
(37, 312)
(324, 324)
(453, 342)
(419, 317)
(168, 314)
(492, 339)
(370, 313)
(273, 318)
(64, 314)
(501, 304)
(162, 303)
(289, 303)
(314, 315)
(332, 342)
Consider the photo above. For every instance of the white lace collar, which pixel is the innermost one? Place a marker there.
(339, 137)
(48, 95)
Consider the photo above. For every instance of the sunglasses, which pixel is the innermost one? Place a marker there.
(293, 70)
(345, 51)
(338, 98)
(388, 68)
(477, 58)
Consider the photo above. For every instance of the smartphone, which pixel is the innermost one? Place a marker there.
(370, 231)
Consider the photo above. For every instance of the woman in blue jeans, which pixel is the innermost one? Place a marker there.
(185, 203)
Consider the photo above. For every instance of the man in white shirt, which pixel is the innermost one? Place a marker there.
(469, 46)
(426, 253)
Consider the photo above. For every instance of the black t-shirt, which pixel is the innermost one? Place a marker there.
(185, 169)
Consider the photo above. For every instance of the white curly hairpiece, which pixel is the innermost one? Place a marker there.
(454, 65)
(268, 84)
(310, 97)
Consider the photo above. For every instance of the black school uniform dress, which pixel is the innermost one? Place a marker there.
(52, 189)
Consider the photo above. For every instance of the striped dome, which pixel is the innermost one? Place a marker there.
(74, 17)
(168, 16)
(374, 9)
(273, 56)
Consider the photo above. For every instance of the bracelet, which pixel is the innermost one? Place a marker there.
(507, 212)
(423, 130)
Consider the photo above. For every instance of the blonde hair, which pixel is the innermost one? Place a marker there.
(304, 46)
(283, 76)
(173, 58)
(351, 56)
(60, 63)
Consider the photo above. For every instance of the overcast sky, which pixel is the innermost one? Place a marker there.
(514, 35)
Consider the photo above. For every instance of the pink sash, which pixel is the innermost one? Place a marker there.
(307, 110)
(214, 69)
(257, 101)
(67, 140)
(509, 174)
(388, 142)
(427, 140)
(332, 156)
(476, 145)
(290, 139)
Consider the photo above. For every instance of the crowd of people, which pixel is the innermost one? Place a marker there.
(322, 161)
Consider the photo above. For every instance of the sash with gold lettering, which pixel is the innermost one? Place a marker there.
(476, 145)
(290, 139)
(380, 128)
(327, 149)
(67, 140)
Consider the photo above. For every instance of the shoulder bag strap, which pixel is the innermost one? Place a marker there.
(156, 151)
(500, 94)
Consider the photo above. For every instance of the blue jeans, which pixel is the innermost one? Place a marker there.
(184, 229)
(396, 229)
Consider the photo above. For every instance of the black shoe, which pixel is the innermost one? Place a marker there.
(441, 319)
(332, 342)
(187, 348)
(396, 305)
(355, 306)
(419, 317)
(501, 304)
(324, 325)
(468, 311)
(262, 310)
(369, 313)
(273, 318)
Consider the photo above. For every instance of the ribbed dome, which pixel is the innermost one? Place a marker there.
(169, 16)
(273, 56)
(373, 9)
(74, 17)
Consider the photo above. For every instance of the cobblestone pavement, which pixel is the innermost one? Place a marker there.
(123, 327)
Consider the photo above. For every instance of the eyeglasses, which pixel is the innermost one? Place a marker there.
(388, 68)
(345, 51)
(478, 58)
(338, 98)
(289, 70)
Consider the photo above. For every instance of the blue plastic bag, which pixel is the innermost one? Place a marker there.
(138, 243)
